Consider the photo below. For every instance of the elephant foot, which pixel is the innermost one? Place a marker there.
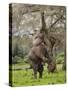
(40, 77)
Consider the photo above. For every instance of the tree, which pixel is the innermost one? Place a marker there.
(49, 19)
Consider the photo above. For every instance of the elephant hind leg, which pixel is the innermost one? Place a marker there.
(40, 74)
(35, 74)
(40, 70)
(35, 68)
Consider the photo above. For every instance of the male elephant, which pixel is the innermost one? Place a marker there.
(37, 55)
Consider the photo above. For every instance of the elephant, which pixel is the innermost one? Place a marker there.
(38, 55)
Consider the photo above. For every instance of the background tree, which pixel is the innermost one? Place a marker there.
(27, 19)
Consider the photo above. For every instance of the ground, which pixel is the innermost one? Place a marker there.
(22, 77)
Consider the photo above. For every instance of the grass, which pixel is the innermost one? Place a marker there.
(25, 77)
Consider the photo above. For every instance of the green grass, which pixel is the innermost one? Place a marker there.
(25, 77)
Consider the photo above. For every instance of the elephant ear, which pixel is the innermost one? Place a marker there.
(51, 66)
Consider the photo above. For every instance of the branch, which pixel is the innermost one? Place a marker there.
(55, 22)
(30, 11)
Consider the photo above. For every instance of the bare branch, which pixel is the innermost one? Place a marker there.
(55, 22)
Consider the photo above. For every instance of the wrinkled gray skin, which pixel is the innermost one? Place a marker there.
(51, 67)
(37, 55)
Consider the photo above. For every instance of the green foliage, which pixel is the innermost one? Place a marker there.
(60, 58)
(16, 59)
(20, 48)
(26, 60)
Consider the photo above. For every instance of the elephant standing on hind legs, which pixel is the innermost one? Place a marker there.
(36, 62)
(38, 54)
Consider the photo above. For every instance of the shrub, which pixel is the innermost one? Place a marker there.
(26, 60)
(16, 59)
(60, 58)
